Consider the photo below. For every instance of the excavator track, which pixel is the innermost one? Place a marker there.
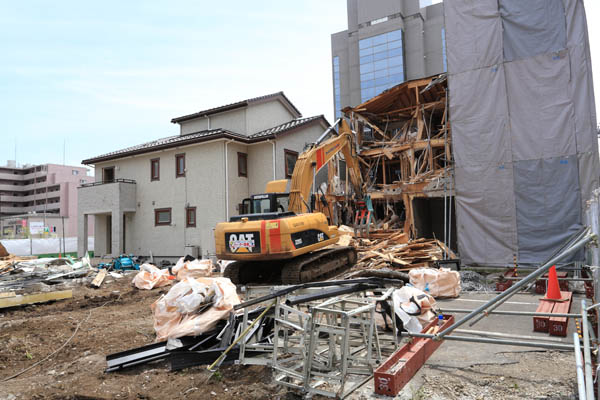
(315, 266)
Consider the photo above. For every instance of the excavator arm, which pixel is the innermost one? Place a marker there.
(312, 160)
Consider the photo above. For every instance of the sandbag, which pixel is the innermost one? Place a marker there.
(413, 307)
(183, 310)
(150, 277)
(441, 282)
(194, 268)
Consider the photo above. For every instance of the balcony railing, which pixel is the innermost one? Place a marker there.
(121, 180)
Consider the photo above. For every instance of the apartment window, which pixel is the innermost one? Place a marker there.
(336, 87)
(75, 172)
(162, 216)
(179, 165)
(381, 63)
(290, 162)
(155, 169)
(190, 217)
(242, 164)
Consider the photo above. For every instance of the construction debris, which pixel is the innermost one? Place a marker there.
(97, 282)
(11, 299)
(398, 253)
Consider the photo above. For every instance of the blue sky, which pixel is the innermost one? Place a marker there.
(106, 75)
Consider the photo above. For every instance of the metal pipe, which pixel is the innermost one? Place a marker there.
(324, 135)
(550, 346)
(507, 335)
(587, 355)
(579, 365)
(517, 313)
(496, 301)
(518, 278)
(537, 273)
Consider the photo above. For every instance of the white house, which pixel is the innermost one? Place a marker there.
(165, 195)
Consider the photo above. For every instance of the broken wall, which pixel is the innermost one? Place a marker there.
(523, 120)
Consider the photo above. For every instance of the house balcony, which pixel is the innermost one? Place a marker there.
(106, 197)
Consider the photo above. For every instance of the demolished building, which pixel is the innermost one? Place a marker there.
(405, 148)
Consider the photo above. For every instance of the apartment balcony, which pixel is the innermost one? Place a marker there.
(11, 177)
(107, 197)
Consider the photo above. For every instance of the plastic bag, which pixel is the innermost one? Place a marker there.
(176, 313)
(413, 307)
(194, 268)
(150, 277)
(441, 282)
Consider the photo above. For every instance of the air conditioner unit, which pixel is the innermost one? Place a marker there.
(193, 251)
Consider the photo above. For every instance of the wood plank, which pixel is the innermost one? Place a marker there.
(97, 282)
(7, 294)
(20, 300)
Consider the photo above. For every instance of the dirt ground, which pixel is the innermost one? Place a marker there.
(117, 317)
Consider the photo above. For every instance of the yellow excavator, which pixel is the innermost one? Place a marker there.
(279, 237)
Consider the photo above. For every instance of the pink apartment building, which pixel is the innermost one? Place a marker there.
(40, 199)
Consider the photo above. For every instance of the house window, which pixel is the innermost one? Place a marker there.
(242, 164)
(162, 216)
(75, 172)
(290, 162)
(179, 165)
(155, 169)
(190, 217)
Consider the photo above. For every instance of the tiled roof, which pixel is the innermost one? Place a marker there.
(203, 136)
(287, 126)
(235, 105)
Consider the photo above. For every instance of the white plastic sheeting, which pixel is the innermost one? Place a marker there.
(23, 247)
(523, 125)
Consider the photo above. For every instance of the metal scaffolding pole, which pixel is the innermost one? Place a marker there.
(516, 313)
(550, 346)
(579, 364)
(587, 355)
(496, 301)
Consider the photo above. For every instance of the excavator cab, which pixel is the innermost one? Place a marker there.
(265, 203)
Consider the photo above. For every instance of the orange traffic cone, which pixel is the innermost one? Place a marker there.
(553, 289)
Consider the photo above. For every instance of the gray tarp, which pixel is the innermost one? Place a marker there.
(523, 125)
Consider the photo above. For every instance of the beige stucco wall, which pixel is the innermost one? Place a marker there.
(260, 166)
(194, 125)
(261, 116)
(203, 187)
(295, 141)
(238, 185)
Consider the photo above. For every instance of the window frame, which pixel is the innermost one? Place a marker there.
(157, 177)
(242, 156)
(187, 217)
(177, 158)
(285, 153)
(159, 210)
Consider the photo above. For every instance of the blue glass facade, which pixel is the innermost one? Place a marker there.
(336, 87)
(381, 63)
(444, 49)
